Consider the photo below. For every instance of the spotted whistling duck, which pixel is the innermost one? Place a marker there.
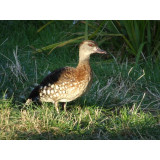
(68, 83)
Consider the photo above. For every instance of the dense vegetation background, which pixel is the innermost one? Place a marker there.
(124, 100)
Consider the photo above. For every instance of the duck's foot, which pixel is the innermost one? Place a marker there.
(64, 104)
(56, 106)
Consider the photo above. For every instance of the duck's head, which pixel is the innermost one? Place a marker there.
(87, 48)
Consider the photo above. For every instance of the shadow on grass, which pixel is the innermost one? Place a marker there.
(97, 133)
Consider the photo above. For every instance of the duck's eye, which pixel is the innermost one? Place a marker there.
(91, 45)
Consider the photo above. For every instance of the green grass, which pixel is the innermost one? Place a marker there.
(89, 122)
(123, 102)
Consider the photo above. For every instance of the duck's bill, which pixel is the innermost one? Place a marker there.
(100, 51)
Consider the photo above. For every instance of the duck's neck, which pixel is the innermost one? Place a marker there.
(83, 57)
(83, 68)
(83, 63)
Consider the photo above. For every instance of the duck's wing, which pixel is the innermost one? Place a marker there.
(58, 76)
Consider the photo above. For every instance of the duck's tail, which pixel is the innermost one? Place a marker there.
(34, 96)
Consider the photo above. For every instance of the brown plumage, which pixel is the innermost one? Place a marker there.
(68, 83)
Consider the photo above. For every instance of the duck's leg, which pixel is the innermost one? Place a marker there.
(56, 106)
(64, 104)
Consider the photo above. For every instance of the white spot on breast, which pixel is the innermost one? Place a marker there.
(57, 94)
(62, 88)
(64, 91)
(52, 86)
(45, 87)
(52, 91)
(49, 84)
(71, 84)
(60, 92)
(48, 91)
(56, 86)
(72, 88)
(40, 94)
(44, 91)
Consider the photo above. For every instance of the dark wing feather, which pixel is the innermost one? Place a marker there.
(52, 78)
(34, 94)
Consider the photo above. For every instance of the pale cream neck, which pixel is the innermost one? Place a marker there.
(84, 55)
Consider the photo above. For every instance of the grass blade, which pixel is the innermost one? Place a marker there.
(86, 30)
(139, 52)
(44, 26)
(59, 44)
